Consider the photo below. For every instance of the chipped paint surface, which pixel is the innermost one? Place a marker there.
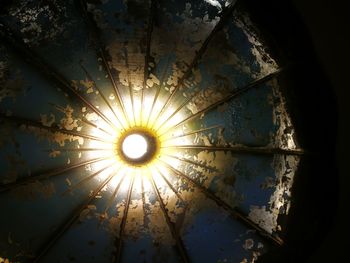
(227, 143)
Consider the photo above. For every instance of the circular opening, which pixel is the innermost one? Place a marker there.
(137, 146)
(134, 146)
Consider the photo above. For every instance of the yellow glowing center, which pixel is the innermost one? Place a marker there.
(134, 146)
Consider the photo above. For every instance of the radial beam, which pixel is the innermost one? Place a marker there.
(48, 174)
(102, 95)
(29, 55)
(83, 119)
(86, 179)
(115, 86)
(77, 149)
(241, 149)
(179, 243)
(223, 19)
(147, 54)
(231, 96)
(115, 192)
(155, 98)
(65, 226)
(234, 212)
(100, 51)
(86, 121)
(170, 185)
(191, 162)
(193, 132)
(119, 240)
(27, 122)
(225, 15)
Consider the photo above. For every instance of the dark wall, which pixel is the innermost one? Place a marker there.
(313, 36)
(328, 25)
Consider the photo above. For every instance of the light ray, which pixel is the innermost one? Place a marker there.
(100, 52)
(179, 243)
(88, 178)
(48, 174)
(159, 88)
(102, 95)
(116, 190)
(147, 55)
(191, 133)
(190, 162)
(28, 122)
(131, 92)
(241, 149)
(119, 241)
(169, 184)
(233, 95)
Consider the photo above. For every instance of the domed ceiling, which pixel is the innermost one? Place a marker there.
(211, 175)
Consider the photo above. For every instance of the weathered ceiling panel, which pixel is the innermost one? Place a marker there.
(194, 79)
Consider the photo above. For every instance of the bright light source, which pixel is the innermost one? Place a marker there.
(134, 146)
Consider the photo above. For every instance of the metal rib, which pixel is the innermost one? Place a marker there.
(95, 126)
(27, 122)
(102, 95)
(158, 90)
(224, 16)
(77, 149)
(148, 54)
(88, 178)
(131, 92)
(179, 243)
(233, 95)
(100, 51)
(191, 162)
(192, 132)
(83, 119)
(234, 212)
(47, 174)
(33, 58)
(68, 222)
(119, 241)
(169, 184)
(241, 149)
(115, 192)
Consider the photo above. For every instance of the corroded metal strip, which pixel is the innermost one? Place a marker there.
(234, 212)
(192, 132)
(170, 185)
(88, 178)
(223, 19)
(27, 122)
(179, 243)
(101, 94)
(241, 149)
(148, 54)
(115, 192)
(115, 87)
(225, 15)
(47, 174)
(77, 149)
(100, 52)
(95, 126)
(158, 92)
(190, 162)
(233, 95)
(33, 58)
(68, 222)
(131, 92)
(119, 240)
